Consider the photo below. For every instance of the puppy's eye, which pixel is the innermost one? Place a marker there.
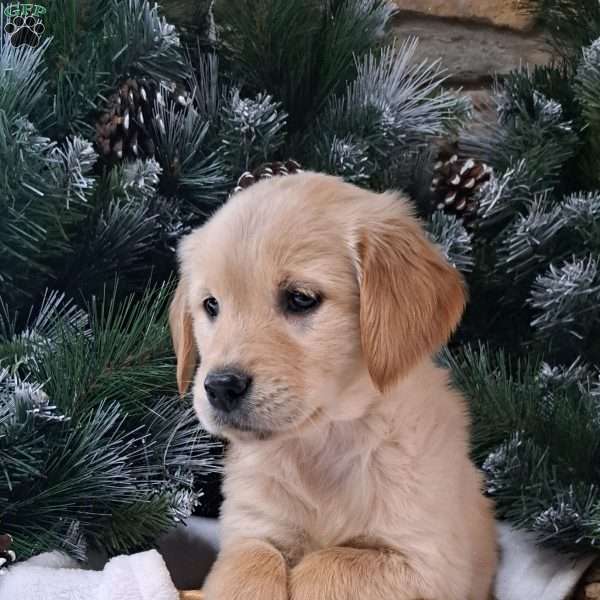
(297, 302)
(211, 306)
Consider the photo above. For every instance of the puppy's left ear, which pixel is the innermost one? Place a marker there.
(180, 321)
(411, 298)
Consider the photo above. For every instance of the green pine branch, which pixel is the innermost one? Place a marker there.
(301, 53)
(90, 430)
(536, 436)
(454, 240)
(393, 107)
(45, 189)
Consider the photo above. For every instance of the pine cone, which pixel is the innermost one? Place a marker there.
(7, 555)
(267, 171)
(455, 184)
(123, 129)
(588, 587)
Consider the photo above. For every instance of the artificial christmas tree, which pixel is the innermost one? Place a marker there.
(87, 367)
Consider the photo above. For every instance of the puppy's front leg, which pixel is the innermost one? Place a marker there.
(248, 570)
(349, 573)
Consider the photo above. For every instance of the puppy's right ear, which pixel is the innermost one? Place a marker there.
(411, 298)
(180, 321)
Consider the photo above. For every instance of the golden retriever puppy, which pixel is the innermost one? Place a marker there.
(306, 316)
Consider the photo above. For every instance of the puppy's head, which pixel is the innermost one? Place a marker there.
(296, 289)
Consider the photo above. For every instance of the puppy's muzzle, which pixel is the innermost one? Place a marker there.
(227, 388)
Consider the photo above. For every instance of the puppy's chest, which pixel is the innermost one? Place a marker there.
(325, 500)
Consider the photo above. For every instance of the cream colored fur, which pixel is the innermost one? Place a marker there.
(349, 476)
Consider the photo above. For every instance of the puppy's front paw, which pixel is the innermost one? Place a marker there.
(339, 573)
(309, 579)
(250, 571)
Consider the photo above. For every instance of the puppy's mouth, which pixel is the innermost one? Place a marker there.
(238, 426)
(249, 433)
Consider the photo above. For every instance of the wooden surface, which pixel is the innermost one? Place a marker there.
(191, 595)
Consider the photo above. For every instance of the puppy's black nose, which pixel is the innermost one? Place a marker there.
(226, 388)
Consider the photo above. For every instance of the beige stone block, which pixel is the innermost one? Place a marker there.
(471, 53)
(503, 13)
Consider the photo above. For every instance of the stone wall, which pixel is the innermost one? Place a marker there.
(473, 38)
(498, 13)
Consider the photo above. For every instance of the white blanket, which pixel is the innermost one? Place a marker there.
(530, 572)
(53, 576)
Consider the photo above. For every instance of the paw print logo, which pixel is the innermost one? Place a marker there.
(25, 31)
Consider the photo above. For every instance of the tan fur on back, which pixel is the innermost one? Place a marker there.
(353, 478)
